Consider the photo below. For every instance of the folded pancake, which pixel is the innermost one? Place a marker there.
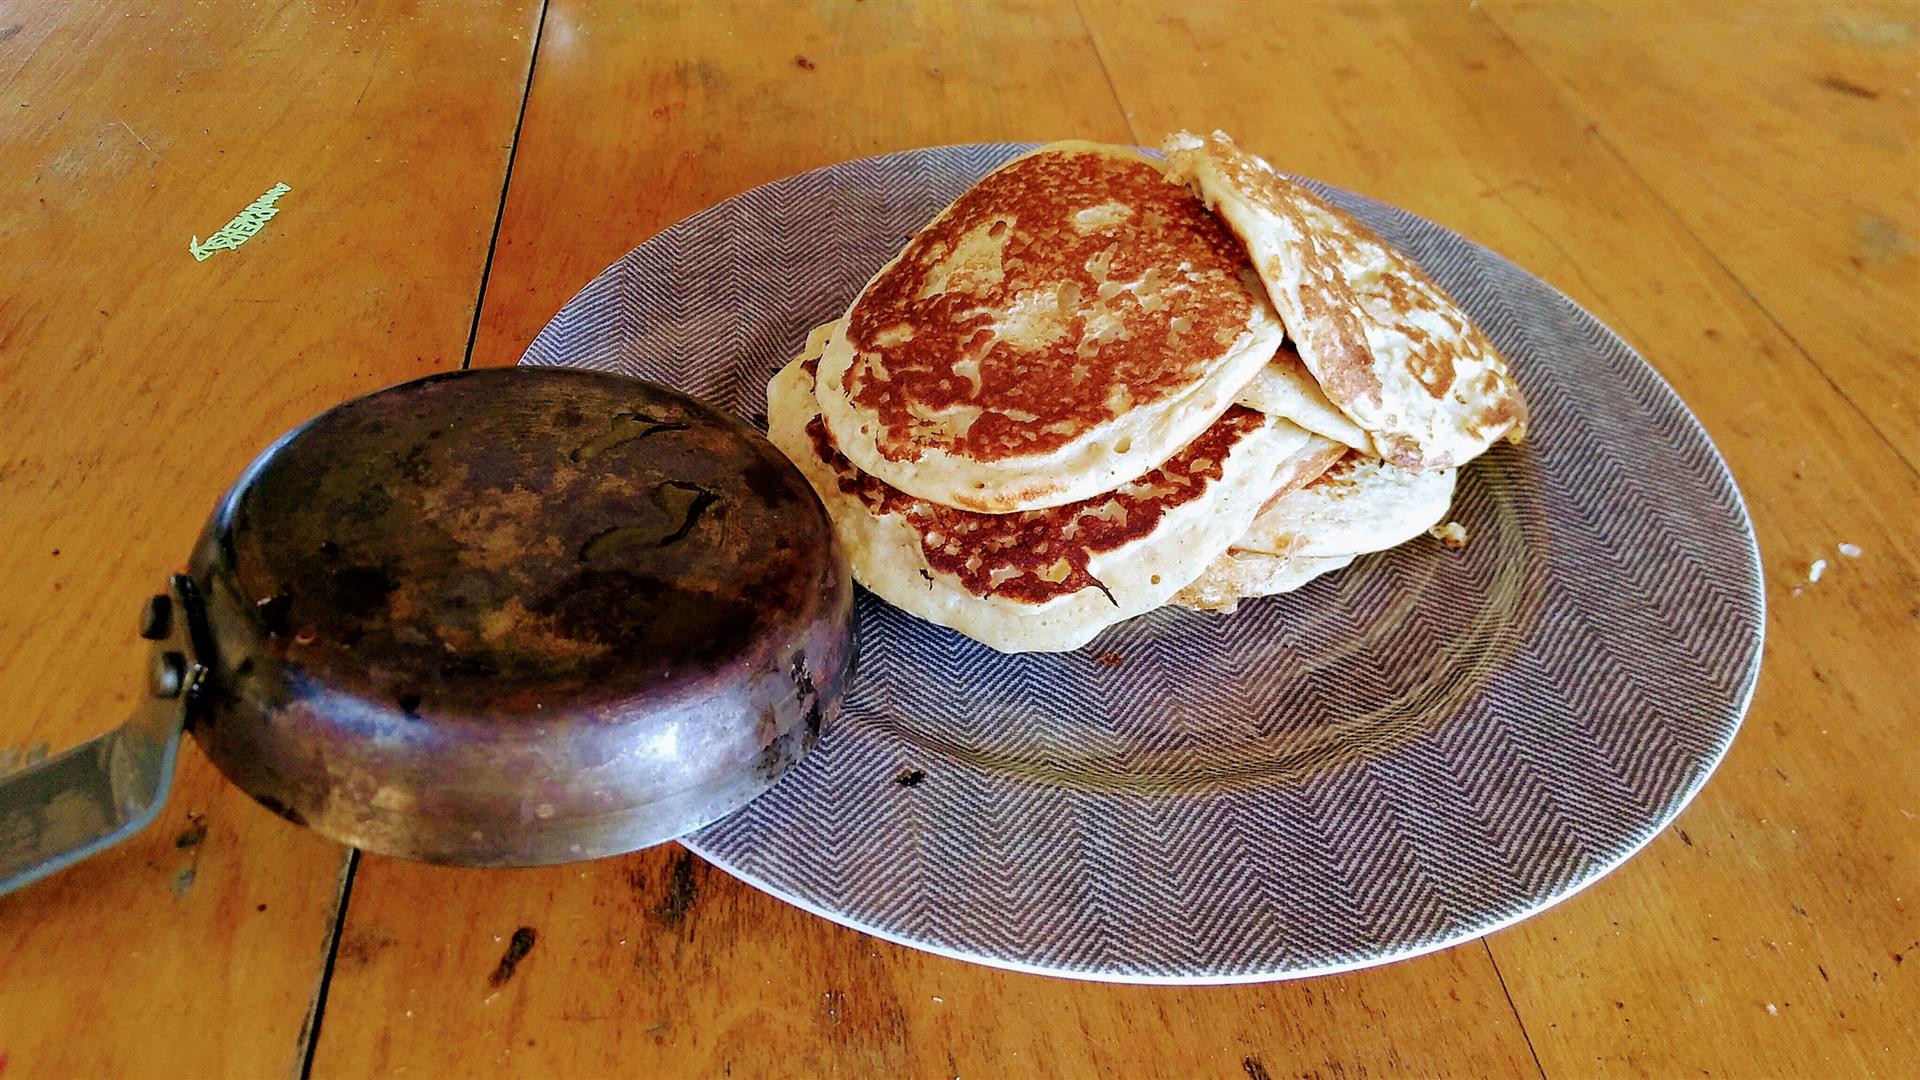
(1041, 580)
(1360, 505)
(1068, 324)
(1285, 388)
(1302, 467)
(1240, 575)
(1357, 505)
(1389, 347)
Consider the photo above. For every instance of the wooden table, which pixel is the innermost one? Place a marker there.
(1735, 189)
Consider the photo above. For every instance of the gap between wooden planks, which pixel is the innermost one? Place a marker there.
(138, 382)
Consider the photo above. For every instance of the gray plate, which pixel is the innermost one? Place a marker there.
(1419, 749)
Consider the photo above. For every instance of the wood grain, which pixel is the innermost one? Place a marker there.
(693, 103)
(657, 965)
(1731, 189)
(137, 382)
(654, 964)
(1794, 883)
(1787, 135)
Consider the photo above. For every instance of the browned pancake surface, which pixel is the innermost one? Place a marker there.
(1037, 555)
(1410, 289)
(1008, 327)
(1350, 282)
(1332, 327)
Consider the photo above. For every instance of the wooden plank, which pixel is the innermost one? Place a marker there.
(690, 105)
(1766, 933)
(653, 964)
(1788, 138)
(657, 965)
(136, 383)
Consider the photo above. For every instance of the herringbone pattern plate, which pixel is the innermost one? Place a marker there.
(1409, 753)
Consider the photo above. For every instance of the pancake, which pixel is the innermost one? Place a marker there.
(1359, 505)
(1068, 324)
(1389, 347)
(1041, 580)
(1237, 574)
(1285, 388)
(1240, 575)
(1304, 466)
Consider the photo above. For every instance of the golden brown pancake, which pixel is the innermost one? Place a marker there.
(1038, 580)
(1065, 326)
(1285, 388)
(1359, 505)
(1241, 575)
(1389, 347)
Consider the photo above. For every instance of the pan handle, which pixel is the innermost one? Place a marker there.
(61, 810)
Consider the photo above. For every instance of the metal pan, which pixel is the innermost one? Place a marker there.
(492, 618)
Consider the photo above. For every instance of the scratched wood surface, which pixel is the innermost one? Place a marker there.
(1783, 137)
(135, 383)
(1734, 190)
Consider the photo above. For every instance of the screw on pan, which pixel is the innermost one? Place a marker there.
(169, 674)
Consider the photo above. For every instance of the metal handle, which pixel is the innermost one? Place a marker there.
(61, 810)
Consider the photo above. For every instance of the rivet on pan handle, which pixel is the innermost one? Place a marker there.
(61, 810)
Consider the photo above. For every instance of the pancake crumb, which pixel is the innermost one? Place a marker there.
(1452, 534)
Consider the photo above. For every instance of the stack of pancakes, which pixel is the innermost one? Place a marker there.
(1099, 383)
